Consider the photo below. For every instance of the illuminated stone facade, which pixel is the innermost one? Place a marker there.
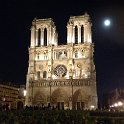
(11, 96)
(62, 75)
(8, 95)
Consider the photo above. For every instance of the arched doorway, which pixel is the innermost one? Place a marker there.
(79, 99)
(60, 98)
(39, 99)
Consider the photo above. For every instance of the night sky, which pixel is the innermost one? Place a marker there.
(15, 22)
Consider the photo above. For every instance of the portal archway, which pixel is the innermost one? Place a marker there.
(59, 98)
(39, 99)
(80, 99)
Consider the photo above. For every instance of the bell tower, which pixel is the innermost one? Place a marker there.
(43, 33)
(79, 29)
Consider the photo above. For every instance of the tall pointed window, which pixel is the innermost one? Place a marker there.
(38, 75)
(45, 37)
(76, 35)
(39, 37)
(82, 34)
(44, 74)
(76, 54)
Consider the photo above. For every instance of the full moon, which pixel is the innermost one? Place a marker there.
(107, 22)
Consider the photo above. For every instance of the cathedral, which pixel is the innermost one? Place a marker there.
(62, 76)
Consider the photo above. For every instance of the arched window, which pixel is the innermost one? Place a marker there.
(60, 55)
(38, 57)
(45, 37)
(38, 75)
(39, 36)
(44, 74)
(76, 54)
(45, 57)
(76, 35)
(82, 34)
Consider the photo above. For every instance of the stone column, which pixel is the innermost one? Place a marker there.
(56, 38)
(36, 37)
(73, 35)
(85, 33)
(32, 36)
(50, 52)
(89, 32)
(68, 36)
(54, 55)
(53, 35)
(42, 36)
(49, 38)
(70, 33)
(48, 35)
(79, 34)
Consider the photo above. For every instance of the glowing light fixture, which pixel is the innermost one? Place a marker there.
(92, 106)
(24, 92)
(115, 104)
(120, 103)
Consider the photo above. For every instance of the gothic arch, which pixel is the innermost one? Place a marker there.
(76, 34)
(59, 95)
(38, 75)
(39, 37)
(76, 54)
(82, 34)
(80, 99)
(79, 95)
(45, 36)
(39, 99)
(44, 74)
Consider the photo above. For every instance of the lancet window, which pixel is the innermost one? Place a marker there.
(39, 37)
(44, 74)
(45, 37)
(76, 35)
(82, 34)
(38, 75)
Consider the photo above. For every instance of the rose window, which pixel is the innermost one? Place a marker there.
(60, 70)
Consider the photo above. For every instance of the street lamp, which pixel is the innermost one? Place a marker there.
(92, 106)
(115, 104)
(24, 93)
(120, 103)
